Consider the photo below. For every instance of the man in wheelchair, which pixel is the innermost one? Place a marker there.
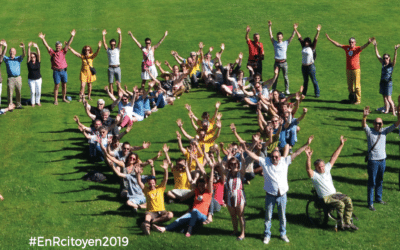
(322, 180)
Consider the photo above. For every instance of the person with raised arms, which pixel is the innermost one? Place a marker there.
(113, 54)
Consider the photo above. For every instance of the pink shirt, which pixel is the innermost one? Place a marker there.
(58, 59)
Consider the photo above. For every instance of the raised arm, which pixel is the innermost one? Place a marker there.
(314, 45)
(73, 33)
(158, 64)
(338, 150)
(302, 115)
(365, 114)
(370, 40)
(165, 167)
(377, 52)
(134, 39)
(179, 137)
(180, 125)
(334, 42)
(395, 54)
(252, 155)
(293, 33)
(42, 36)
(211, 180)
(74, 52)
(139, 178)
(309, 153)
(217, 105)
(118, 172)
(300, 150)
(97, 51)
(247, 32)
(162, 39)
(270, 31)
(38, 51)
(119, 38)
(233, 128)
(29, 51)
(104, 39)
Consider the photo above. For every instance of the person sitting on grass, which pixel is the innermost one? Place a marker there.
(154, 193)
(177, 77)
(123, 99)
(203, 195)
(235, 89)
(162, 94)
(93, 130)
(10, 107)
(322, 180)
(95, 112)
(193, 148)
(205, 117)
(181, 175)
(291, 128)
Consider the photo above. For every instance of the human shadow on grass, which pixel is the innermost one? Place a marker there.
(339, 109)
(364, 165)
(320, 100)
(73, 130)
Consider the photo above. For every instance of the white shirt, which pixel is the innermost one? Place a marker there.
(323, 183)
(121, 106)
(307, 56)
(275, 177)
(113, 56)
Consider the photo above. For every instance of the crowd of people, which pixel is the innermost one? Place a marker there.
(210, 175)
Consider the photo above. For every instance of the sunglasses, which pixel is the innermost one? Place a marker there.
(379, 123)
(126, 148)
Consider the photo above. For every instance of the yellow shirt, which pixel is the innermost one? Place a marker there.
(193, 164)
(210, 126)
(155, 198)
(196, 68)
(181, 180)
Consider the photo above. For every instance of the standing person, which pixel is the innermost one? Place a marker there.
(87, 75)
(280, 48)
(59, 65)
(308, 56)
(322, 180)
(353, 71)
(14, 80)
(256, 51)
(275, 171)
(34, 76)
(148, 57)
(113, 59)
(376, 157)
(2, 54)
(386, 85)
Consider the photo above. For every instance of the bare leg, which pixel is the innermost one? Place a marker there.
(387, 107)
(240, 213)
(64, 92)
(111, 87)
(56, 87)
(171, 195)
(232, 212)
(131, 204)
(391, 103)
(89, 90)
(82, 91)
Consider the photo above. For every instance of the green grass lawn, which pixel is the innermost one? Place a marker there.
(44, 155)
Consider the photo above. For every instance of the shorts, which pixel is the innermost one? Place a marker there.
(60, 76)
(138, 200)
(114, 72)
(139, 117)
(179, 193)
(156, 215)
(126, 121)
(253, 99)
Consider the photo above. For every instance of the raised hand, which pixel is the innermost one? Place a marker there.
(367, 111)
(165, 148)
(22, 45)
(166, 33)
(269, 23)
(146, 144)
(30, 44)
(73, 32)
(319, 27)
(233, 127)
(119, 31)
(211, 49)
(188, 107)
(178, 135)
(342, 139)
(104, 32)
(130, 33)
(179, 122)
(219, 115)
(371, 39)
(217, 105)
(165, 164)
(166, 62)
(158, 63)
(35, 45)
(222, 46)
(305, 110)
(99, 44)
(248, 29)
(310, 139)
(308, 151)
(295, 25)
(218, 124)
(159, 154)
(396, 46)
(201, 45)
(241, 55)
(41, 35)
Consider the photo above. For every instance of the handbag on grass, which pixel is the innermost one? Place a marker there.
(372, 148)
(92, 69)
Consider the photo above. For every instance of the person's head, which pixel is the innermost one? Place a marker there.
(97, 124)
(352, 42)
(105, 113)
(217, 64)
(208, 56)
(257, 77)
(125, 99)
(141, 92)
(103, 131)
(184, 66)
(202, 134)
(275, 156)
(386, 59)
(205, 124)
(275, 121)
(307, 42)
(319, 166)
(113, 43)
(193, 54)
(256, 37)
(241, 74)
(255, 137)
(279, 35)
(233, 165)
(115, 141)
(58, 46)
(13, 52)
(193, 144)
(151, 180)
(87, 50)
(148, 42)
(131, 159)
(33, 57)
(175, 69)
(234, 147)
(284, 106)
(275, 96)
(126, 148)
(180, 164)
(201, 184)
(378, 124)
(100, 104)
(205, 116)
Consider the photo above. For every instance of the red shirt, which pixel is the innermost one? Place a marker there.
(219, 192)
(255, 48)
(58, 59)
(202, 204)
(352, 57)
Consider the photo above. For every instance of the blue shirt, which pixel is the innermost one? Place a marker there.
(13, 65)
(138, 106)
(280, 49)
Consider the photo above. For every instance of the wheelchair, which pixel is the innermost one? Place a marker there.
(319, 213)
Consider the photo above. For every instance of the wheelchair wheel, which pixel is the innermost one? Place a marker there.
(316, 214)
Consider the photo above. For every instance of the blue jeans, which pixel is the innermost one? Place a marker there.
(269, 209)
(309, 71)
(189, 219)
(376, 169)
(291, 135)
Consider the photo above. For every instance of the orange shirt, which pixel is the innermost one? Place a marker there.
(352, 57)
(203, 204)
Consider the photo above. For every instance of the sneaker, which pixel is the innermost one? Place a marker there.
(266, 239)
(285, 238)
(381, 109)
(371, 207)
(381, 202)
(287, 92)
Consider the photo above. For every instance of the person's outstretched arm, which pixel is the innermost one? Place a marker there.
(338, 150)
(97, 51)
(42, 36)
(294, 32)
(300, 150)
(119, 38)
(395, 54)
(365, 114)
(270, 31)
(247, 33)
(334, 42)
(302, 115)
(73, 33)
(370, 40)
(162, 39)
(104, 39)
(29, 50)
(314, 44)
(165, 167)
(74, 52)
(134, 39)
(180, 125)
(38, 51)
(309, 153)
